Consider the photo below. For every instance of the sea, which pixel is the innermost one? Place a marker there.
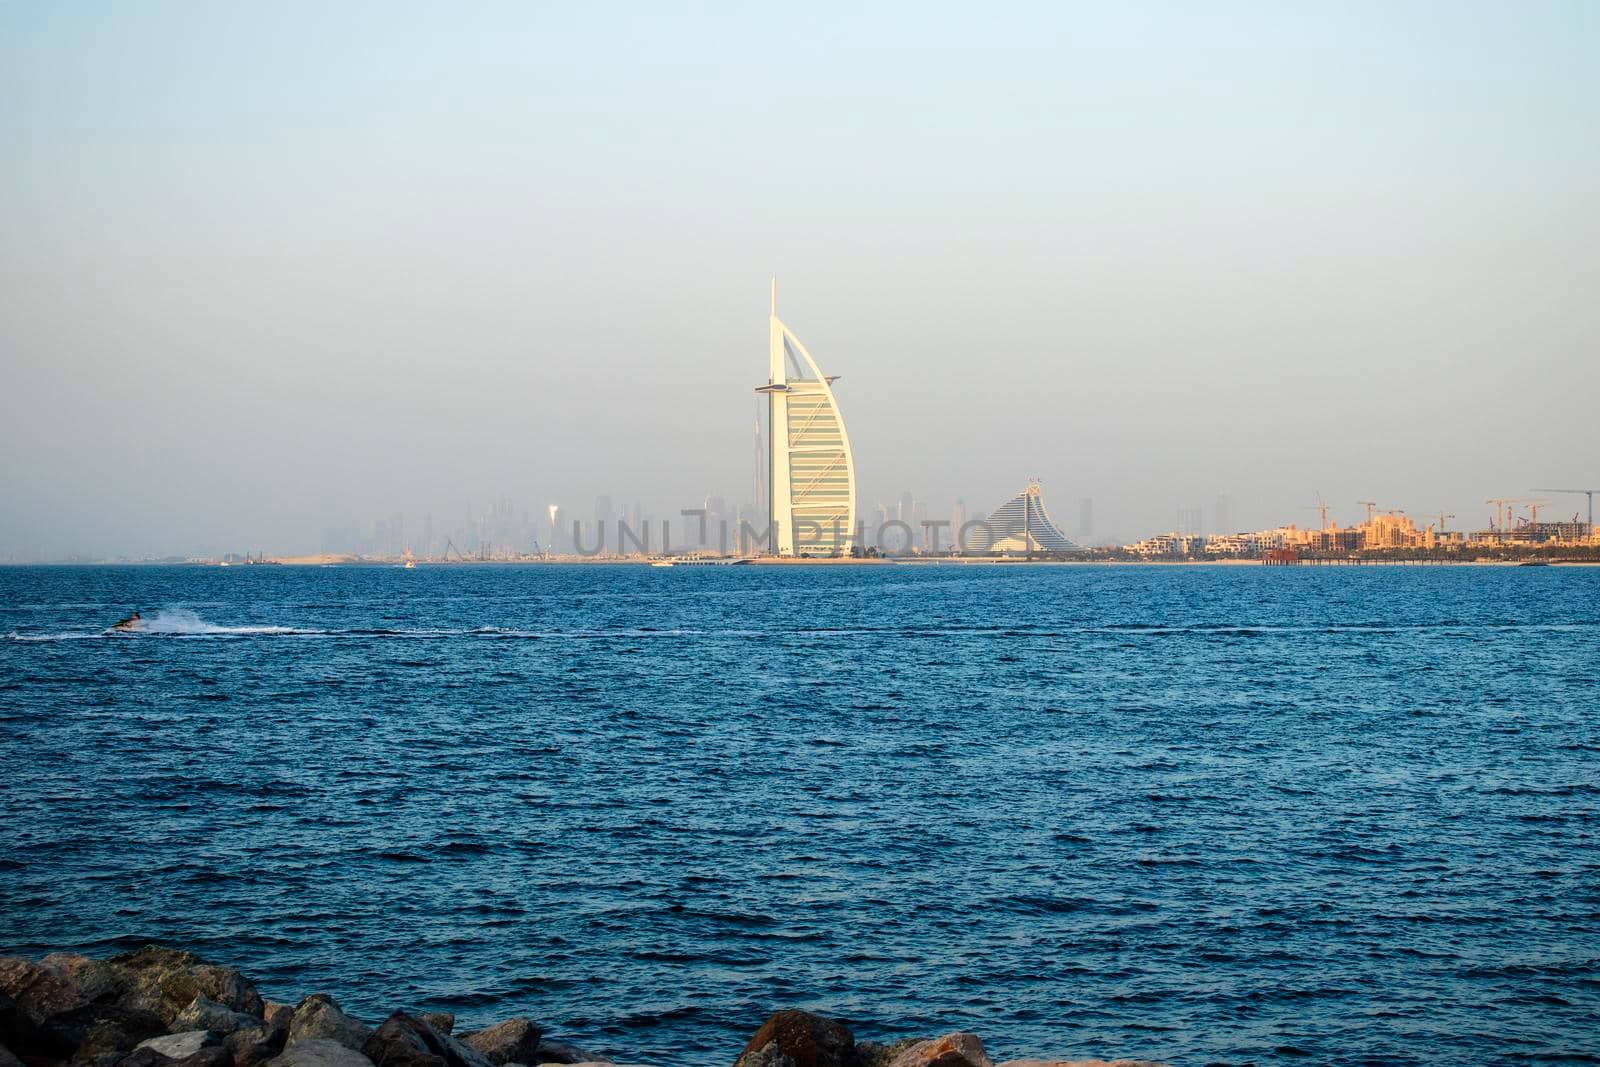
(1203, 815)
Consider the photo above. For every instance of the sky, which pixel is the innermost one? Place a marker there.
(265, 269)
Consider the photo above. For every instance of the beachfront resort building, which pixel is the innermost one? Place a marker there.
(1021, 525)
(811, 478)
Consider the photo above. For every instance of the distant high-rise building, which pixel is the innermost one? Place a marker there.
(1190, 520)
(958, 519)
(1223, 514)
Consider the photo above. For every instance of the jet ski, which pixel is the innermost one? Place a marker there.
(130, 623)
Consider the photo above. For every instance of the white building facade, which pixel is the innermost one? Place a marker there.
(811, 476)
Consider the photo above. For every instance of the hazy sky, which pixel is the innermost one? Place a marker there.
(268, 267)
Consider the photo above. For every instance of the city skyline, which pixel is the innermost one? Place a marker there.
(1126, 257)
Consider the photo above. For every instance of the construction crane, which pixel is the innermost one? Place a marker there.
(1320, 506)
(1575, 492)
(1505, 510)
(1370, 505)
(1442, 517)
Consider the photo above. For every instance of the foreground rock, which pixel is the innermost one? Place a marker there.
(559, 1052)
(513, 1041)
(952, 1050)
(203, 1013)
(318, 1017)
(1080, 1063)
(799, 1039)
(406, 1041)
(182, 1045)
(166, 981)
(882, 1053)
(319, 1052)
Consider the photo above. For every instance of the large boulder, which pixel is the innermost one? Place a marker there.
(209, 1056)
(203, 1013)
(319, 1052)
(406, 1041)
(1081, 1063)
(950, 1050)
(253, 1047)
(181, 1046)
(274, 1013)
(561, 1052)
(166, 981)
(513, 1041)
(401, 1041)
(882, 1053)
(318, 1016)
(104, 1032)
(799, 1039)
(45, 1014)
(442, 1022)
(39, 991)
(7, 1059)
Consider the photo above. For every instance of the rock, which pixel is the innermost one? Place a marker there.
(165, 981)
(43, 1015)
(181, 1046)
(406, 1041)
(318, 1016)
(17, 1028)
(255, 1046)
(800, 1039)
(950, 1050)
(272, 1012)
(1081, 1063)
(7, 1059)
(67, 965)
(561, 1052)
(513, 1041)
(107, 1031)
(39, 992)
(401, 1041)
(319, 1052)
(440, 1022)
(880, 1054)
(210, 1056)
(203, 1013)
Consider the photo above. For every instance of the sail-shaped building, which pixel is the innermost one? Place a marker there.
(811, 478)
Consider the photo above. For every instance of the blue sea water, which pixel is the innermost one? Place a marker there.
(1205, 815)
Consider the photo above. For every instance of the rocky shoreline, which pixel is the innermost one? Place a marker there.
(160, 1007)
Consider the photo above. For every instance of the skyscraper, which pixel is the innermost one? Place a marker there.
(811, 476)
(1223, 515)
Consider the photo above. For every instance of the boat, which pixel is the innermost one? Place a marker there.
(661, 563)
(129, 624)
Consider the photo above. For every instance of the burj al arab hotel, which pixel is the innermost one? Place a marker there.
(811, 479)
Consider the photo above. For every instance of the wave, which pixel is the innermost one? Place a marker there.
(183, 622)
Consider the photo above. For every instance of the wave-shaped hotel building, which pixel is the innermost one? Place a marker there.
(811, 477)
(1022, 524)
